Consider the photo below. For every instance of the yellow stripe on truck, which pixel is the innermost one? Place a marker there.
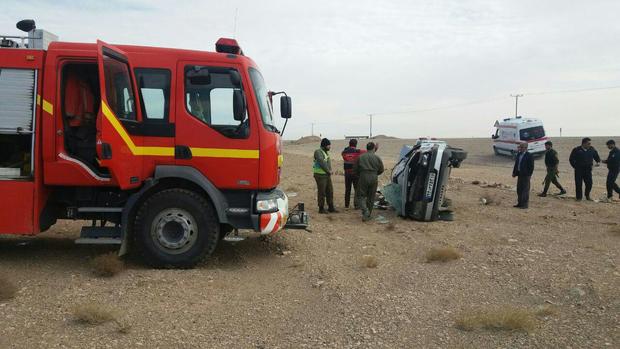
(48, 107)
(169, 151)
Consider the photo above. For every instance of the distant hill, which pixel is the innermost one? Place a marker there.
(384, 137)
(307, 140)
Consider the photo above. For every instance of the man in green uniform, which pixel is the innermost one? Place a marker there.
(551, 162)
(322, 170)
(368, 168)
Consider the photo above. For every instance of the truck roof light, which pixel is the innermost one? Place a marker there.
(226, 45)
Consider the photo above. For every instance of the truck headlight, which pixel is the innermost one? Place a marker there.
(269, 205)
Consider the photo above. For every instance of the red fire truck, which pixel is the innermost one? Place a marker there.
(164, 150)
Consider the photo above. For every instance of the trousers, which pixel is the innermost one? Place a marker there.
(351, 181)
(612, 175)
(552, 177)
(583, 175)
(523, 190)
(368, 189)
(325, 190)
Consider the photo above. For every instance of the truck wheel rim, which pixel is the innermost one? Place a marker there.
(175, 230)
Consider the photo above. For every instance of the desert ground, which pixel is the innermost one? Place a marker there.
(557, 262)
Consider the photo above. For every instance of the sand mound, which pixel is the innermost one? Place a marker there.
(384, 137)
(308, 140)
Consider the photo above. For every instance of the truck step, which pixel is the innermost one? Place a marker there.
(98, 241)
(90, 232)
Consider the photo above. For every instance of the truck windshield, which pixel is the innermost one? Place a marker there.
(258, 83)
(532, 133)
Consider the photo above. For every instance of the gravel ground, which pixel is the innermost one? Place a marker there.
(311, 289)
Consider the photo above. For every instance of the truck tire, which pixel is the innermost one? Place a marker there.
(176, 228)
(495, 151)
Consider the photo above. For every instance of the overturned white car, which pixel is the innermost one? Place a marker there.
(420, 177)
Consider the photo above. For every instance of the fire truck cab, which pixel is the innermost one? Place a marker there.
(164, 150)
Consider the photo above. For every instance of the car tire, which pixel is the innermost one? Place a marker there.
(176, 228)
(495, 151)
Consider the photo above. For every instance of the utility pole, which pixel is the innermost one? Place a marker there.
(516, 97)
(370, 117)
(312, 132)
(560, 132)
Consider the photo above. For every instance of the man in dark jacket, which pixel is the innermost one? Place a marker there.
(368, 167)
(350, 155)
(523, 169)
(581, 159)
(322, 170)
(613, 165)
(551, 162)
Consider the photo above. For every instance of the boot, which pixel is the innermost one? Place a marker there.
(332, 209)
(562, 191)
(322, 210)
(542, 195)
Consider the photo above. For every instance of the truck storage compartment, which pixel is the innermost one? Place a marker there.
(17, 108)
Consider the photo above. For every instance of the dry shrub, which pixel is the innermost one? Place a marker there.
(506, 318)
(476, 182)
(93, 314)
(98, 314)
(442, 254)
(546, 310)
(615, 230)
(390, 227)
(369, 261)
(491, 199)
(8, 290)
(107, 265)
(330, 218)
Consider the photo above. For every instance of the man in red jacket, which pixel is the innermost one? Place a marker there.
(350, 155)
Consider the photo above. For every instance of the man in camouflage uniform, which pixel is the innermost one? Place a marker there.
(368, 168)
(551, 161)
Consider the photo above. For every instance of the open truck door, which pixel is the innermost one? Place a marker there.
(116, 149)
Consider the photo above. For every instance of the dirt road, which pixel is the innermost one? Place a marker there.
(310, 289)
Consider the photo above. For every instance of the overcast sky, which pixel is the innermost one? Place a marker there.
(443, 68)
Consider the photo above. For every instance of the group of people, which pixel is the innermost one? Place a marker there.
(582, 159)
(361, 172)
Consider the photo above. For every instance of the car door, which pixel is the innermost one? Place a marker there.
(117, 150)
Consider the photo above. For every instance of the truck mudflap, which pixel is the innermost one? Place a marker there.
(272, 222)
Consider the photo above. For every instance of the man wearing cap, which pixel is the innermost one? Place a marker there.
(581, 159)
(322, 170)
(613, 165)
(350, 155)
(368, 168)
(551, 161)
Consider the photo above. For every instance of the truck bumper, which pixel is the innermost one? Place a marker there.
(271, 222)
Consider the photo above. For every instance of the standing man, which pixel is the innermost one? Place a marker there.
(613, 165)
(368, 167)
(551, 162)
(350, 155)
(582, 159)
(322, 170)
(523, 169)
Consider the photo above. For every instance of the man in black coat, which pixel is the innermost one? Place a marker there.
(581, 159)
(523, 169)
(613, 165)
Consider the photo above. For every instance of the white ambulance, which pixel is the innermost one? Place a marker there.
(512, 131)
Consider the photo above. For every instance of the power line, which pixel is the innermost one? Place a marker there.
(572, 91)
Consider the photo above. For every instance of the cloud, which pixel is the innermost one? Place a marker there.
(341, 60)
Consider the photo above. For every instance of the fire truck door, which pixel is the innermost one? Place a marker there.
(117, 150)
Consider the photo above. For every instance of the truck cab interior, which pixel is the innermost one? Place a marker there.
(80, 103)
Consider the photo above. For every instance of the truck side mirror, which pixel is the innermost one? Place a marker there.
(494, 136)
(285, 107)
(239, 106)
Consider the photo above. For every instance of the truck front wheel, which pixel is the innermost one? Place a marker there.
(176, 228)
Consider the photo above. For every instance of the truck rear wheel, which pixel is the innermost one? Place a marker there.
(176, 228)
